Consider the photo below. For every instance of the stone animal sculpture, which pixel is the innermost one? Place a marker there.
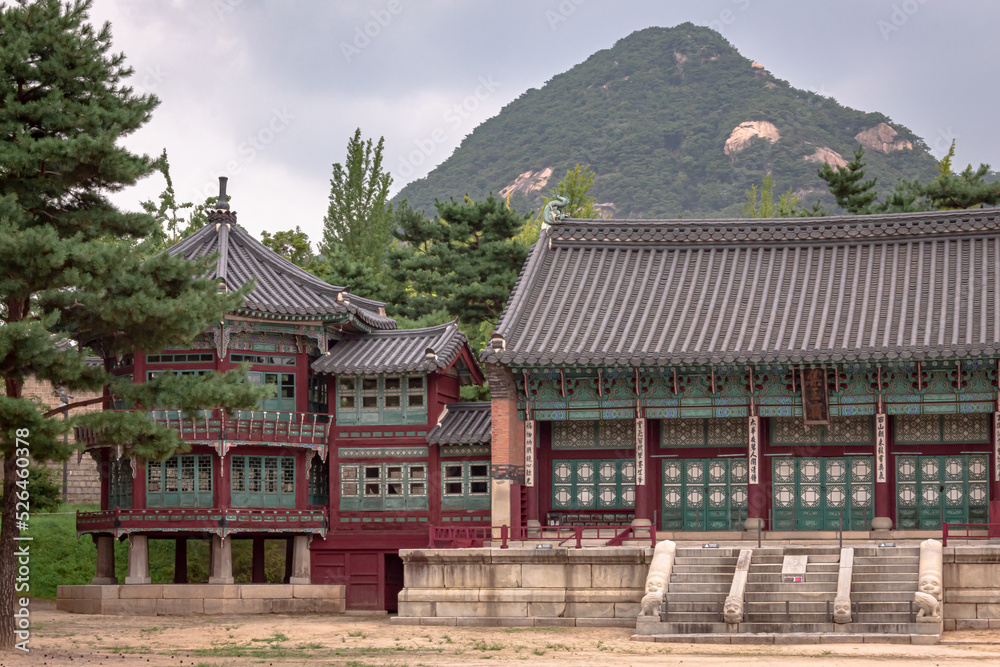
(658, 577)
(732, 610)
(930, 585)
(842, 609)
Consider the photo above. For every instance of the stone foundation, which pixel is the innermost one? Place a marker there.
(972, 587)
(523, 587)
(171, 599)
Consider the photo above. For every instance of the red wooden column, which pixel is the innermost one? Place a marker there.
(642, 503)
(884, 438)
(758, 473)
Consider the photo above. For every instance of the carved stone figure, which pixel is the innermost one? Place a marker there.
(553, 214)
(930, 585)
(732, 610)
(842, 609)
(658, 577)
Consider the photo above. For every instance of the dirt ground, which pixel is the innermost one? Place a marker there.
(60, 639)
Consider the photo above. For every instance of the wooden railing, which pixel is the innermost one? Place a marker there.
(221, 521)
(948, 530)
(451, 537)
(248, 425)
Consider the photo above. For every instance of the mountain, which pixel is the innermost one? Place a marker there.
(675, 122)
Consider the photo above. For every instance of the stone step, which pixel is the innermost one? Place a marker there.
(881, 570)
(887, 560)
(873, 552)
(695, 617)
(700, 577)
(882, 596)
(775, 577)
(793, 617)
(896, 577)
(719, 561)
(861, 628)
(803, 596)
(839, 637)
(695, 607)
(671, 628)
(882, 606)
(822, 567)
(713, 587)
(883, 617)
(811, 607)
(797, 587)
(675, 596)
(894, 586)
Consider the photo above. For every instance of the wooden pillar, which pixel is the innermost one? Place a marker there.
(259, 576)
(759, 500)
(289, 557)
(643, 508)
(181, 560)
(883, 514)
(105, 571)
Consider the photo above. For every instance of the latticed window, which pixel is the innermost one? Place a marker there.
(593, 484)
(381, 399)
(611, 434)
(383, 486)
(465, 485)
(120, 483)
(319, 481)
(933, 429)
(263, 481)
(180, 481)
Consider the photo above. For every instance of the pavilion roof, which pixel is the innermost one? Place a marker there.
(398, 351)
(462, 424)
(831, 289)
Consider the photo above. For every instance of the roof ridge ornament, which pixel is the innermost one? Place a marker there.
(222, 204)
(553, 214)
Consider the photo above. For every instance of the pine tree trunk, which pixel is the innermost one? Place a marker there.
(8, 564)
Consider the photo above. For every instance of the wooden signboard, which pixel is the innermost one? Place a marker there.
(815, 406)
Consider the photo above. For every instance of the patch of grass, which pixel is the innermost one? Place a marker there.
(558, 647)
(539, 651)
(359, 633)
(480, 645)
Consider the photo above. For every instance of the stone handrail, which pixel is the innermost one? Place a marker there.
(658, 577)
(842, 603)
(732, 611)
(931, 583)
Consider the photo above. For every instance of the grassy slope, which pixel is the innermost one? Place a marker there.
(652, 115)
(57, 558)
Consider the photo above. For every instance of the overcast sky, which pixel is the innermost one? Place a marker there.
(268, 92)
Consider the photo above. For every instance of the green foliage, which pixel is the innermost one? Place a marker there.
(293, 245)
(651, 115)
(786, 207)
(44, 495)
(965, 190)
(848, 187)
(339, 267)
(167, 213)
(576, 188)
(359, 219)
(465, 261)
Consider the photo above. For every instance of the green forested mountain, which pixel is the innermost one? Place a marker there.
(674, 122)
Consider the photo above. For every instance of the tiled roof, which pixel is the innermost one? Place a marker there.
(643, 293)
(282, 287)
(462, 424)
(399, 351)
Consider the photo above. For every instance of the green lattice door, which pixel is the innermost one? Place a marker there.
(923, 482)
(602, 484)
(704, 494)
(813, 493)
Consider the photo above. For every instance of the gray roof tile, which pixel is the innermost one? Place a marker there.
(399, 351)
(620, 292)
(281, 287)
(462, 424)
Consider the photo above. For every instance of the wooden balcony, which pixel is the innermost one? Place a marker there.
(296, 429)
(212, 520)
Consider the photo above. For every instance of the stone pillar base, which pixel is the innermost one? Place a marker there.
(750, 525)
(300, 561)
(138, 560)
(104, 574)
(221, 567)
(881, 527)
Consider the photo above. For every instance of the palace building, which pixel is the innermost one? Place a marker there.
(363, 446)
(711, 375)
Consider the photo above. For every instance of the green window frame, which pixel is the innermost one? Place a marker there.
(261, 359)
(120, 483)
(262, 481)
(465, 485)
(593, 484)
(381, 399)
(191, 358)
(319, 481)
(180, 481)
(383, 487)
(284, 389)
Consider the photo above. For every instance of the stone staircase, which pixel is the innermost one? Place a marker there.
(779, 612)
(699, 584)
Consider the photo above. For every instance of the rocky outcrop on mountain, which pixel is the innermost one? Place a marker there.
(883, 139)
(744, 133)
(528, 182)
(827, 155)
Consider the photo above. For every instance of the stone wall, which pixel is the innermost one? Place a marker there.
(83, 480)
(523, 587)
(172, 599)
(971, 587)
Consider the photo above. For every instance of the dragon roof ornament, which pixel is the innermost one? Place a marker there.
(553, 214)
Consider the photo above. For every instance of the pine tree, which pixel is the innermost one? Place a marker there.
(359, 217)
(70, 268)
(847, 185)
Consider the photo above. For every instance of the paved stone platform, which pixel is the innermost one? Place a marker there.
(790, 638)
